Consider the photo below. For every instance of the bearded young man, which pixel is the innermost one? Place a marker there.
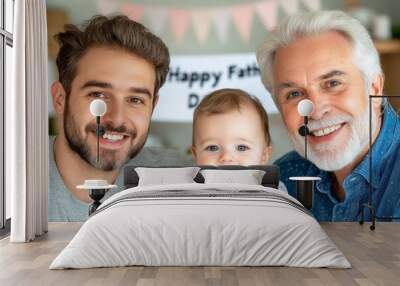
(121, 62)
(329, 58)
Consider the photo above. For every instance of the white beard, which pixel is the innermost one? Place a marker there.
(330, 156)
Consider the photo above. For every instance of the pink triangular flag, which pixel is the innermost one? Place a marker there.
(134, 12)
(243, 18)
(201, 24)
(221, 18)
(312, 5)
(290, 7)
(106, 7)
(157, 17)
(179, 23)
(267, 12)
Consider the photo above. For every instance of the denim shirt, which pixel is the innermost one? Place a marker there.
(385, 178)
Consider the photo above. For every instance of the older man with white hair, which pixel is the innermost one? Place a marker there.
(329, 58)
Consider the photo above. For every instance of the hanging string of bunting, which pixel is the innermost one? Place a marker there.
(202, 20)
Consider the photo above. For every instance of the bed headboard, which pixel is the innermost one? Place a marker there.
(270, 179)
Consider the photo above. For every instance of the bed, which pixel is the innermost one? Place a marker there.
(212, 217)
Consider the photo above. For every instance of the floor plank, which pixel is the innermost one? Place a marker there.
(374, 255)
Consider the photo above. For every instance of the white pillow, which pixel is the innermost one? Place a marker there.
(248, 177)
(164, 176)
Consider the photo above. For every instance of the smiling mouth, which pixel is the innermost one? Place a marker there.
(112, 140)
(326, 131)
(113, 137)
(326, 134)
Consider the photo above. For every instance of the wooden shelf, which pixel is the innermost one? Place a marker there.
(388, 47)
(390, 59)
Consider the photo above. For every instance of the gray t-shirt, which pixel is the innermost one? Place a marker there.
(64, 206)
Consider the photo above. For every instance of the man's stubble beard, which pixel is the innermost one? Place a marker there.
(332, 157)
(80, 145)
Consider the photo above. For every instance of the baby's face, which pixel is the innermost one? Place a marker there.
(232, 138)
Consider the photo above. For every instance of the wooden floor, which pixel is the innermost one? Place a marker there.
(374, 255)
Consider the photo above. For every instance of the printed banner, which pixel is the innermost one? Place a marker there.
(192, 77)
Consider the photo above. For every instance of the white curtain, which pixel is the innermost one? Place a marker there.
(27, 123)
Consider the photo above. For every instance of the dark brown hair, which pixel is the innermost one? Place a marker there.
(116, 31)
(228, 99)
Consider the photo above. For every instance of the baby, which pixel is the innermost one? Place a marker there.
(230, 127)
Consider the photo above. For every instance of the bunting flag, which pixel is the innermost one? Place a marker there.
(201, 24)
(134, 12)
(266, 10)
(106, 7)
(312, 5)
(157, 17)
(242, 16)
(221, 21)
(289, 6)
(179, 23)
(204, 19)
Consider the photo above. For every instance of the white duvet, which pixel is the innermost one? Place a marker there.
(201, 224)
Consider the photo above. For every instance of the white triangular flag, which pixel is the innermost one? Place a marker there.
(106, 7)
(290, 7)
(157, 16)
(201, 24)
(221, 17)
(312, 5)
